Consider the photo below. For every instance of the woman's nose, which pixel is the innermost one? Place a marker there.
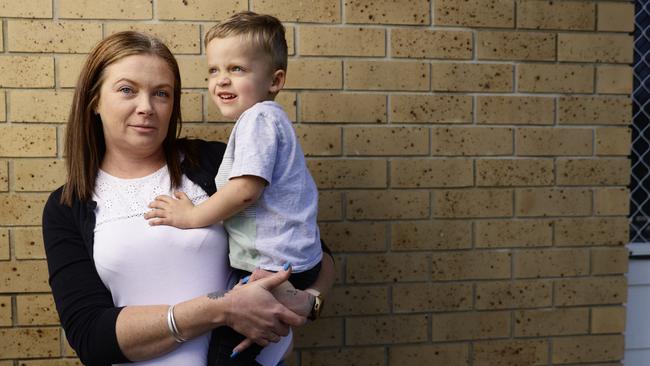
(144, 105)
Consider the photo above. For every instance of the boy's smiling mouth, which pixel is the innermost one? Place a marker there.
(226, 96)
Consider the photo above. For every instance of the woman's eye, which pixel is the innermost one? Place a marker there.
(126, 90)
(162, 93)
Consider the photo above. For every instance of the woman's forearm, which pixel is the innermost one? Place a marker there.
(327, 275)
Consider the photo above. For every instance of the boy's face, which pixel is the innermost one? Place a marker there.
(239, 75)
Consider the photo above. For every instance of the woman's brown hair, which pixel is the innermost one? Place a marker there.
(84, 140)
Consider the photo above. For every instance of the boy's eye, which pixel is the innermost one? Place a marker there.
(237, 69)
(212, 70)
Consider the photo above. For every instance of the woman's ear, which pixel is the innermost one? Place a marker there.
(278, 81)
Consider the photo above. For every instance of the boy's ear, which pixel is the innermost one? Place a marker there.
(278, 81)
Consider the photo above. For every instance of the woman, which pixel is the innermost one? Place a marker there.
(108, 267)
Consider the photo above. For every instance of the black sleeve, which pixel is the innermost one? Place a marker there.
(85, 306)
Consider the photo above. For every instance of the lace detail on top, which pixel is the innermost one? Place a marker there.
(119, 198)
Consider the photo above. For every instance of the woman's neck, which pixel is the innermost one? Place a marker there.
(131, 166)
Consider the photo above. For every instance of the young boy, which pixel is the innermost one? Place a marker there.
(265, 194)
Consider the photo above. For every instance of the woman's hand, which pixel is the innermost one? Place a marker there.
(177, 212)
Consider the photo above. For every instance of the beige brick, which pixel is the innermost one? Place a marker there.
(26, 72)
(393, 267)
(29, 9)
(27, 141)
(357, 300)
(381, 141)
(314, 74)
(194, 72)
(109, 9)
(23, 276)
(192, 107)
(484, 325)
(464, 141)
(289, 101)
(330, 205)
(548, 14)
(207, 132)
(601, 171)
(613, 141)
(3, 107)
(513, 233)
(467, 265)
(319, 140)
(348, 173)
(591, 291)
(514, 110)
(52, 36)
(449, 354)
(551, 263)
(514, 172)
(553, 78)
(28, 243)
(4, 244)
(199, 9)
(337, 41)
(427, 297)
(40, 106)
(553, 202)
(359, 356)
(434, 234)
(36, 310)
(615, 16)
(391, 329)
(327, 332)
(386, 75)
(483, 13)
(511, 352)
(4, 176)
(610, 319)
(306, 11)
(592, 231)
(612, 201)
(594, 47)
(5, 311)
(415, 173)
(426, 108)
(180, 38)
(21, 209)
(594, 110)
(387, 12)
(30, 342)
(53, 362)
(553, 141)
(38, 174)
(342, 107)
(614, 79)
(509, 294)
(472, 203)
(492, 45)
(549, 322)
(67, 69)
(339, 269)
(354, 236)
(424, 43)
(471, 77)
(609, 261)
(588, 349)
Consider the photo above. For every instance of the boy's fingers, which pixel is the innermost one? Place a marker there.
(181, 195)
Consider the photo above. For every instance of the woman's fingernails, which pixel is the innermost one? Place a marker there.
(245, 279)
(286, 266)
(234, 354)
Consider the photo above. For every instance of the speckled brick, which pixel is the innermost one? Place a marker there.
(511, 352)
(319, 140)
(359, 356)
(348, 173)
(386, 75)
(437, 44)
(613, 141)
(614, 79)
(414, 12)
(314, 74)
(432, 297)
(514, 172)
(592, 231)
(612, 201)
(513, 294)
(192, 107)
(484, 325)
(471, 77)
(551, 263)
(54, 362)
(548, 14)
(67, 69)
(483, 13)
(4, 244)
(4, 176)
(180, 38)
(472, 203)
(553, 202)
(207, 132)
(588, 349)
(109, 9)
(392, 267)
(595, 110)
(468, 265)
(306, 11)
(426, 108)
(494, 45)
(289, 35)
(608, 319)
(513, 233)
(342, 107)
(382, 141)
(38, 174)
(5, 312)
(28, 243)
(554, 141)
(330, 205)
(36, 310)
(551, 322)
(357, 300)
(28, 9)
(392, 329)
(327, 332)
(591, 291)
(348, 41)
(198, 9)
(40, 106)
(21, 209)
(30, 342)
(26, 72)
(553, 78)
(595, 47)
(468, 141)
(585, 172)
(434, 234)
(23, 276)
(609, 261)
(3, 107)
(52, 36)
(194, 72)
(615, 16)
(354, 236)
(518, 110)
(449, 354)
(416, 173)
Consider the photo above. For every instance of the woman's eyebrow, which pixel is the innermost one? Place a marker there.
(162, 85)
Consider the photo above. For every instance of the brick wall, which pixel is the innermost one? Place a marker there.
(471, 158)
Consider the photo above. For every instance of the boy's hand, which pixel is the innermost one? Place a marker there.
(177, 212)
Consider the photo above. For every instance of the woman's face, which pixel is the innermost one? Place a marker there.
(135, 104)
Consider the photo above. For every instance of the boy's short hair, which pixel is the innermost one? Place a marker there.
(265, 32)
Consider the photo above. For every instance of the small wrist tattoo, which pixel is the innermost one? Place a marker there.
(216, 295)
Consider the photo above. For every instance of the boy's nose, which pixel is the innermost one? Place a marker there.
(223, 81)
